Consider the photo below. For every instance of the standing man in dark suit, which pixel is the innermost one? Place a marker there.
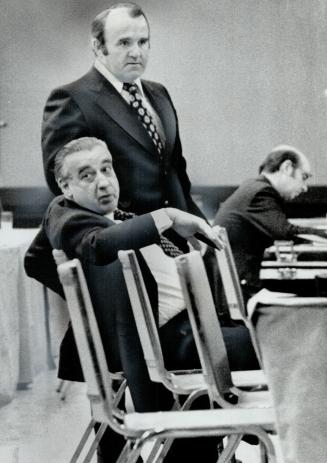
(136, 118)
(254, 214)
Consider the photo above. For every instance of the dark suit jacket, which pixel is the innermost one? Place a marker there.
(91, 106)
(96, 240)
(254, 217)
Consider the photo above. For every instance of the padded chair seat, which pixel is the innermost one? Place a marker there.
(191, 381)
(249, 378)
(255, 399)
(193, 419)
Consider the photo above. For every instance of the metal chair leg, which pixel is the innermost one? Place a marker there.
(95, 443)
(83, 441)
(227, 453)
(50, 361)
(62, 388)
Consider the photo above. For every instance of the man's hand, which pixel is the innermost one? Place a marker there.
(187, 225)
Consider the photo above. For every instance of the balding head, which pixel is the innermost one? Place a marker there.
(288, 169)
(281, 153)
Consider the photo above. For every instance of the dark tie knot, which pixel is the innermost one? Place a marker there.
(131, 88)
(123, 215)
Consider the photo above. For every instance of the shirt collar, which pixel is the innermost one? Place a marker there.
(113, 79)
(110, 216)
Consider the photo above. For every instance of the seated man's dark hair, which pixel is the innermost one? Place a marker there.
(74, 146)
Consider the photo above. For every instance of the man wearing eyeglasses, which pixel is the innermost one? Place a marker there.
(254, 215)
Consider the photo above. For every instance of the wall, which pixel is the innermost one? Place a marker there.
(244, 75)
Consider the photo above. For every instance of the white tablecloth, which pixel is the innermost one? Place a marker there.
(293, 345)
(23, 341)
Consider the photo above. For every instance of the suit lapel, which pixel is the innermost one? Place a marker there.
(116, 107)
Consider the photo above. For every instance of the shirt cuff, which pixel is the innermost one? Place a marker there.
(161, 220)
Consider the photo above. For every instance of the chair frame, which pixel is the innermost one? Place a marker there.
(209, 339)
(233, 290)
(139, 428)
(60, 257)
(189, 383)
(178, 382)
(181, 382)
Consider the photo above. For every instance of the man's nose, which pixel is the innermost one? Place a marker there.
(305, 188)
(102, 180)
(135, 50)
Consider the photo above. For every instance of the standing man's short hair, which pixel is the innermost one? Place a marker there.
(98, 24)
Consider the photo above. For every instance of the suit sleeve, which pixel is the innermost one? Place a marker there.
(92, 240)
(63, 121)
(179, 163)
(266, 213)
(39, 263)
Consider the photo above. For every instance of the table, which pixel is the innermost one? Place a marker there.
(24, 346)
(292, 341)
(314, 222)
(292, 272)
(299, 275)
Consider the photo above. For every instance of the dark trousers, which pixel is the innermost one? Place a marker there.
(180, 353)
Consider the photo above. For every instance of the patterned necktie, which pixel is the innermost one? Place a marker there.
(166, 245)
(143, 114)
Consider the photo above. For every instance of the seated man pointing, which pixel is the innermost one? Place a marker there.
(84, 222)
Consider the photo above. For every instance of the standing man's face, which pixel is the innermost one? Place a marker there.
(127, 45)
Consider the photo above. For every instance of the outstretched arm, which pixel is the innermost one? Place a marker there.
(192, 227)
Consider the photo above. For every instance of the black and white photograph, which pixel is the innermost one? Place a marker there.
(163, 231)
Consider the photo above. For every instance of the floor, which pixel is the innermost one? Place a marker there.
(38, 427)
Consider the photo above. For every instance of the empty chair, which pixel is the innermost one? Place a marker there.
(186, 382)
(60, 258)
(233, 290)
(178, 382)
(208, 335)
(209, 340)
(139, 428)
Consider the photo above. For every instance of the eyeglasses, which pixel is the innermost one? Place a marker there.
(305, 175)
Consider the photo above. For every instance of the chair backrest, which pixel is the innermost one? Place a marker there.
(206, 328)
(88, 341)
(230, 280)
(143, 314)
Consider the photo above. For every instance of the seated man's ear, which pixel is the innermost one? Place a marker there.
(64, 185)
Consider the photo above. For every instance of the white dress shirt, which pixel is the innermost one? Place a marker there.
(164, 271)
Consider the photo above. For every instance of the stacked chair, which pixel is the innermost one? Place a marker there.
(209, 340)
(219, 388)
(139, 428)
(181, 382)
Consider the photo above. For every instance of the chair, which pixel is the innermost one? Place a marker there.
(60, 258)
(188, 382)
(209, 339)
(183, 382)
(233, 290)
(139, 428)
